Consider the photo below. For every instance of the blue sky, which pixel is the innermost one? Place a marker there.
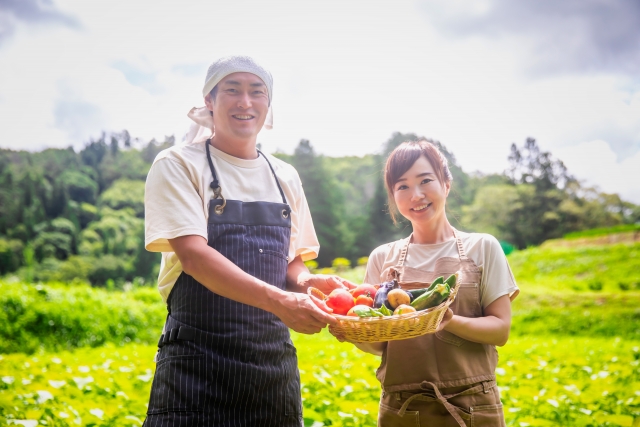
(477, 76)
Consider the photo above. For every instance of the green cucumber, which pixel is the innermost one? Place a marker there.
(432, 298)
(451, 280)
(415, 293)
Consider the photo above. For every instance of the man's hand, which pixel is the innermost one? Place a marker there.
(300, 313)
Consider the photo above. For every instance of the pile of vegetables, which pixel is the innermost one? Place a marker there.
(387, 299)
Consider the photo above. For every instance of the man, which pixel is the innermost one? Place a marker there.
(234, 228)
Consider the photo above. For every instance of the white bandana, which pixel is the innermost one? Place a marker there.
(202, 126)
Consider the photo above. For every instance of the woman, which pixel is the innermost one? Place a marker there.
(446, 378)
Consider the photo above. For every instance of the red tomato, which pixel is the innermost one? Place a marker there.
(364, 300)
(341, 301)
(365, 289)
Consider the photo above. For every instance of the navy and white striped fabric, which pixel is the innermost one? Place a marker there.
(239, 366)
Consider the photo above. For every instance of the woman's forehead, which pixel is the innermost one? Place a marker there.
(421, 165)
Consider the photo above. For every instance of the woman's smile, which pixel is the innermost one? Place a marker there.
(421, 208)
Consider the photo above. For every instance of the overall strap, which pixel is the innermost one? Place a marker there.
(403, 252)
(284, 200)
(215, 185)
(461, 252)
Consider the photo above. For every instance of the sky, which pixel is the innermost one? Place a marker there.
(476, 76)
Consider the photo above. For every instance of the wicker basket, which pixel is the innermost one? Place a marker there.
(397, 327)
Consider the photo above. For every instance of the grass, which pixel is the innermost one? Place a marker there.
(574, 381)
(565, 270)
(603, 231)
(573, 357)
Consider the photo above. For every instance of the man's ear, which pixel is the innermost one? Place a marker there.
(208, 101)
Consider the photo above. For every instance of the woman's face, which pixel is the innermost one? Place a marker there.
(419, 195)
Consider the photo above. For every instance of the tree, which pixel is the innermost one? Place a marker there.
(125, 193)
(326, 202)
(529, 165)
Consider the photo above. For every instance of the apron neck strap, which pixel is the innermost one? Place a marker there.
(403, 251)
(284, 199)
(461, 252)
(215, 184)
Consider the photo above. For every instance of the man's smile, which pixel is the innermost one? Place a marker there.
(243, 116)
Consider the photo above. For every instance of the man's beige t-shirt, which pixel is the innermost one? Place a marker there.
(178, 191)
(483, 249)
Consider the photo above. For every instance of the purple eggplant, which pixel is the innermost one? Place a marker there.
(381, 294)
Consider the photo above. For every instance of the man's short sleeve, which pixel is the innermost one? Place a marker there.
(304, 242)
(173, 206)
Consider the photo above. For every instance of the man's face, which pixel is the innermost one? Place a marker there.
(240, 107)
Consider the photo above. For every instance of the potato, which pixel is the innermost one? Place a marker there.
(398, 297)
(404, 309)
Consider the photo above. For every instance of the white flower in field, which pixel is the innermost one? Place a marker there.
(26, 381)
(603, 374)
(122, 394)
(24, 423)
(514, 409)
(44, 395)
(501, 371)
(585, 411)
(57, 384)
(145, 378)
(83, 369)
(81, 382)
(63, 415)
(344, 414)
(132, 418)
(588, 369)
(99, 413)
(346, 390)
(573, 389)
(553, 402)
(7, 380)
(56, 360)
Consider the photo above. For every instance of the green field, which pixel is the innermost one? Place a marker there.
(573, 358)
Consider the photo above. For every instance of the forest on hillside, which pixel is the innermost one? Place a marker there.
(67, 215)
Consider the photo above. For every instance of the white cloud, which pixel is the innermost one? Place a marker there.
(347, 75)
(596, 164)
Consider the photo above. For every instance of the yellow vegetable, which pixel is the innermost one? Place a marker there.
(404, 309)
(397, 297)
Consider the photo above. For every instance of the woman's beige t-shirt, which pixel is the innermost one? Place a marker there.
(483, 249)
(178, 191)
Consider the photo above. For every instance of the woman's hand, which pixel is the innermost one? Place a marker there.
(299, 279)
(324, 282)
(448, 315)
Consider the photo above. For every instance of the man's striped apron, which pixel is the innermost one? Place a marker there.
(221, 362)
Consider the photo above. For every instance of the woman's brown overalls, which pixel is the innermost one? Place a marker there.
(440, 379)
